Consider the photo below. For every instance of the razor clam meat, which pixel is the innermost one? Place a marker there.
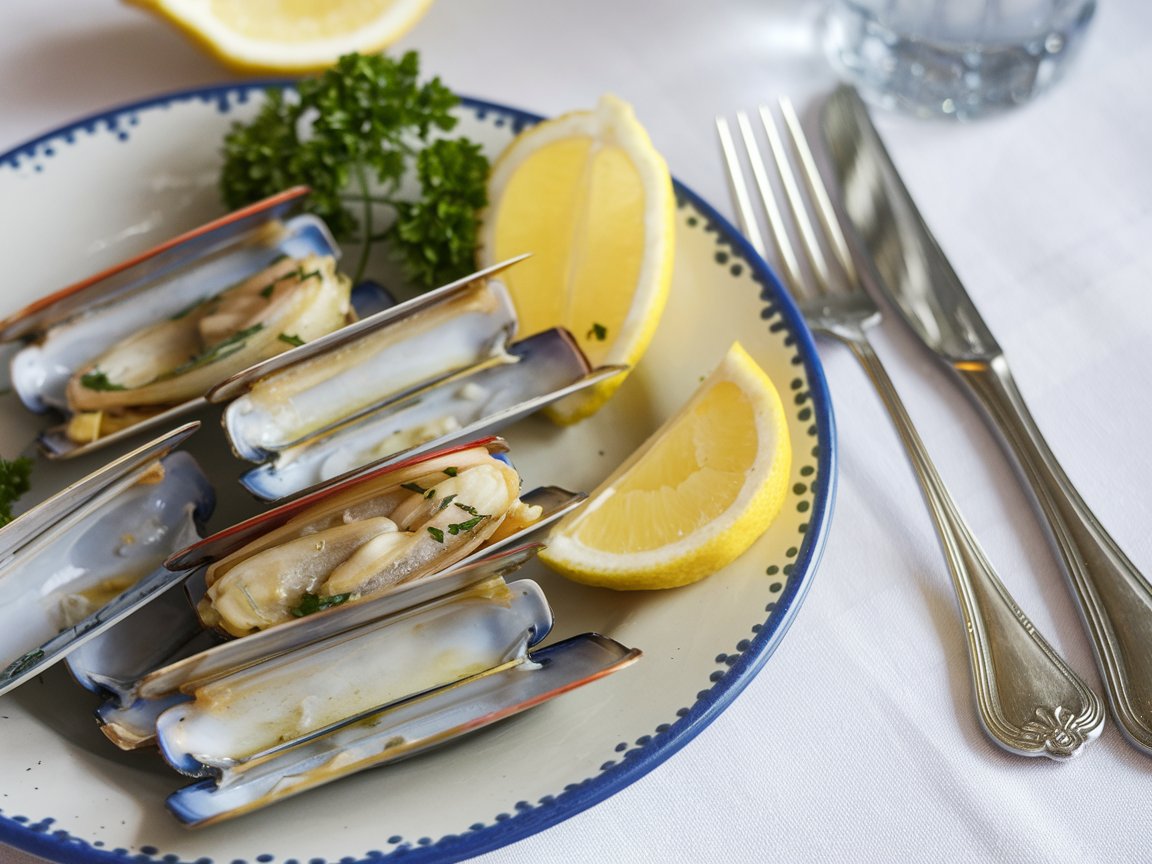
(290, 302)
(363, 541)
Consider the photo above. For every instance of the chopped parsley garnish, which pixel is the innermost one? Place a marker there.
(467, 508)
(352, 134)
(451, 472)
(266, 291)
(459, 527)
(15, 480)
(291, 338)
(444, 503)
(414, 487)
(437, 534)
(224, 348)
(311, 603)
(97, 380)
(599, 331)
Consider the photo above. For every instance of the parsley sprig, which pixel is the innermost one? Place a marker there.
(352, 134)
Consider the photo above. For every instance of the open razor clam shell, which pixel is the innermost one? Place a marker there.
(40, 372)
(294, 398)
(101, 562)
(157, 634)
(230, 539)
(90, 491)
(139, 693)
(242, 382)
(477, 402)
(358, 538)
(128, 276)
(367, 299)
(145, 655)
(398, 731)
(277, 703)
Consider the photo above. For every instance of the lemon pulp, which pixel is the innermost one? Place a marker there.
(691, 475)
(591, 199)
(693, 497)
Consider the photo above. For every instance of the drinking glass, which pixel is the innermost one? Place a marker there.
(953, 58)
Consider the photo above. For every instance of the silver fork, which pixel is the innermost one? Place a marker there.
(1028, 699)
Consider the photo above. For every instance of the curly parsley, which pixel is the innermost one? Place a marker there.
(352, 134)
(15, 480)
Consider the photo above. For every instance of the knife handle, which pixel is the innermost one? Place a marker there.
(1028, 698)
(1115, 599)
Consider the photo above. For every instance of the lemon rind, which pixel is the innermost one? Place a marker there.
(245, 54)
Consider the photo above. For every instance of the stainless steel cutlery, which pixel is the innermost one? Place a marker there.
(1029, 700)
(909, 267)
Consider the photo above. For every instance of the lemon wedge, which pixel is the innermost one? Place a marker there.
(693, 497)
(289, 35)
(589, 196)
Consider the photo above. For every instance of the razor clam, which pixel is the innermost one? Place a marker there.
(400, 350)
(397, 731)
(170, 325)
(247, 226)
(101, 560)
(354, 539)
(424, 374)
(478, 401)
(275, 703)
(122, 663)
(177, 359)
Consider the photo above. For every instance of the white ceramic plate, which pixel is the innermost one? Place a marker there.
(84, 197)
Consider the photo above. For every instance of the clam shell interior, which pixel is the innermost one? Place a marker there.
(474, 402)
(402, 730)
(41, 371)
(280, 701)
(97, 566)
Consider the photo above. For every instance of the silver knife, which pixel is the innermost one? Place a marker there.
(909, 267)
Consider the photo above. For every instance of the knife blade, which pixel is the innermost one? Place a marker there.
(907, 265)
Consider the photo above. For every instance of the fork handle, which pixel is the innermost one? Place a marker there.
(1028, 698)
(1115, 599)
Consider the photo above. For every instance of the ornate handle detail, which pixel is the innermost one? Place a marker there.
(1029, 700)
(1114, 597)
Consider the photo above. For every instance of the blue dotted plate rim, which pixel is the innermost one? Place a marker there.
(39, 838)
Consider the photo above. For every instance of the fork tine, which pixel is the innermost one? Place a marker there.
(748, 219)
(748, 222)
(806, 210)
(817, 190)
(768, 201)
(796, 204)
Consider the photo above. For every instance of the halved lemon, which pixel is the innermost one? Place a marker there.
(289, 35)
(589, 196)
(693, 497)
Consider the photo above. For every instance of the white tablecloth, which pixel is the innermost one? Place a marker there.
(858, 741)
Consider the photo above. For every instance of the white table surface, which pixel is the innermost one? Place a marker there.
(858, 741)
